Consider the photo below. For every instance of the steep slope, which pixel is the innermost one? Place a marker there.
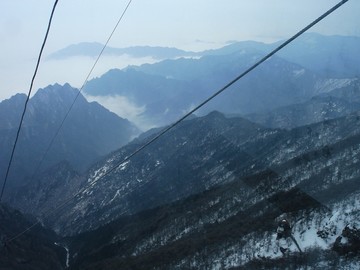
(89, 132)
(47, 191)
(234, 225)
(186, 82)
(161, 92)
(331, 56)
(318, 109)
(199, 154)
(10, 112)
(349, 92)
(241, 178)
(158, 99)
(34, 249)
(164, 172)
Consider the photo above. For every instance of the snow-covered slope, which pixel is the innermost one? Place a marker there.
(235, 225)
(210, 194)
(206, 152)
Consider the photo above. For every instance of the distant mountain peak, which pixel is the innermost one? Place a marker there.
(89, 131)
(215, 114)
(56, 89)
(19, 97)
(92, 49)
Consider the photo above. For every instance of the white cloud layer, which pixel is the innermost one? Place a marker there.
(176, 23)
(124, 108)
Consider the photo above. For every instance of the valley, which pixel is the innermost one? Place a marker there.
(282, 144)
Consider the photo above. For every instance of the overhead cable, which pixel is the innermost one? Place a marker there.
(27, 100)
(79, 92)
(167, 129)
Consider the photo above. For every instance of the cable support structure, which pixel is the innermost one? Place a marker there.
(170, 127)
(27, 100)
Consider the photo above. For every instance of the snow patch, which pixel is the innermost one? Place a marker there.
(328, 85)
(299, 72)
(117, 194)
(67, 262)
(123, 166)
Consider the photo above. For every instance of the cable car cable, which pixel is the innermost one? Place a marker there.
(165, 130)
(27, 100)
(79, 92)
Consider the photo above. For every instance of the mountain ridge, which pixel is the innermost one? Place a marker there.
(283, 80)
(165, 172)
(80, 141)
(92, 49)
(223, 224)
(214, 191)
(35, 249)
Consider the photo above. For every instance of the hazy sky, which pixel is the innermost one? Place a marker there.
(186, 24)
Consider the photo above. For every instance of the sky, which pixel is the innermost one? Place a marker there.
(186, 24)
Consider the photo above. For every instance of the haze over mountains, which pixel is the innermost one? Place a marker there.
(92, 50)
(312, 51)
(281, 143)
(178, 84)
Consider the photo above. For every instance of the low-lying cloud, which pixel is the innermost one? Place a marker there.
(124, 108)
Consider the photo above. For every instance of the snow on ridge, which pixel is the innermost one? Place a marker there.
(98, 174)
(299, 72)
(123, 166)
(328, 85)
(117, 194)
(318, 229)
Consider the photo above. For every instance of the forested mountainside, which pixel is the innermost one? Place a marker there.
(199, 154)
(33, 250)
(282, 145)
(46, 191)
(89, 132)
(316, 188)
(334, 104)
(228, 218)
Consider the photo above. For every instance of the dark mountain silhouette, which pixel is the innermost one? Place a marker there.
(211, 193)
(163, 99)
(35, 249)
(198, 155)
(171, 87)
(92, 49)
(90, 131)
(318, 53)
(318, 109)
(187, 82)
(49, 189)
(331, 56)
(233, 223)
